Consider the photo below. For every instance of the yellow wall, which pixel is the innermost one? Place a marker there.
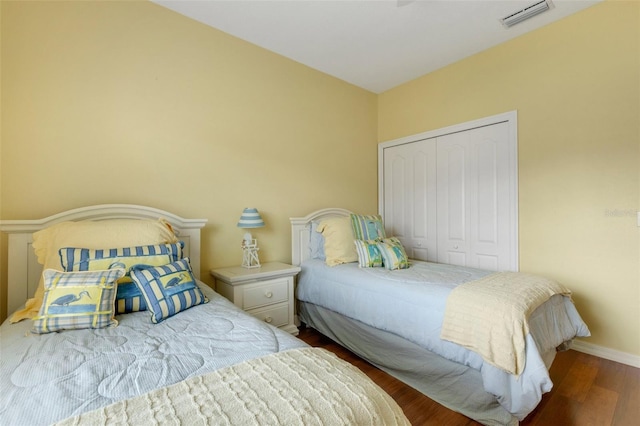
(116, 102)
(112, 102)
(576, 87)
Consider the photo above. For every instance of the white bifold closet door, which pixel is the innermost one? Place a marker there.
(452, 198)
(473, 201)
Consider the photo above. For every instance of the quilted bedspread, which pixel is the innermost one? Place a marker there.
(309, 386)
(490, 315)
(50, 377)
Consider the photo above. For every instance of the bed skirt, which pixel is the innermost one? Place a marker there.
(452, 385)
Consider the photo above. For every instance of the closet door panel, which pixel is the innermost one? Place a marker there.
(491, 242)
(397, 200)
(495, 221)
(479, 158)
(420, 215)
(451, 210)
(409, 197)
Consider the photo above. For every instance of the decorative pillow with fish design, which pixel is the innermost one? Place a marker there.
(76, 300)
(167, 289)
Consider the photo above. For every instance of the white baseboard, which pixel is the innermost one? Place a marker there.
(606, 353)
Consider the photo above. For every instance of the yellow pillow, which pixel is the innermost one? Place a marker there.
(92, 235)
(338, 240)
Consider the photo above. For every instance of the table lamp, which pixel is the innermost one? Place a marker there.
(249, 219)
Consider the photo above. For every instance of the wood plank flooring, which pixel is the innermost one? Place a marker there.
(587, 391)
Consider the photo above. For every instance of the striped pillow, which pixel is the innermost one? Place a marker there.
(393, 254)
(128, 298)
(76, 300)
(369, 255)
(167, 289)
(367, 227)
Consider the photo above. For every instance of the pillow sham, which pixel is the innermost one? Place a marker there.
(316, 243)
(90, 234)
(338, 240)
(369, 255)
(77, 300)
(367, 227)
(167, 289)
(393, 254)
(128, 297)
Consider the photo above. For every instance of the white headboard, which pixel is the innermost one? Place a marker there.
(23, 272)
(301, 232)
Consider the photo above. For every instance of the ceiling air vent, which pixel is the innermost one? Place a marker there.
(526, 13)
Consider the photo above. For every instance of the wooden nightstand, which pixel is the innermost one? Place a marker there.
(265, 292)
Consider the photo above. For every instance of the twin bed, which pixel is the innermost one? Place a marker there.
(200, 363)
(395, 318)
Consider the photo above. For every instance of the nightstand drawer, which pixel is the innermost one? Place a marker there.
(267, 293)
(276, 316)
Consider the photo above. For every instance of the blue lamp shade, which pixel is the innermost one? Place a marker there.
(250, 218)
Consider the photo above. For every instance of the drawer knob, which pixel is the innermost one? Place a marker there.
(268, 319)
(269, 294)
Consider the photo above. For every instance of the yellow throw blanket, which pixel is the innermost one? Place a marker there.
(490, 316)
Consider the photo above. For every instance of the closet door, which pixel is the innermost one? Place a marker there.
(409, 197)
(475, 200)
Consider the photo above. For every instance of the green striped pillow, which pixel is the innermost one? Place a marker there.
(367, 227)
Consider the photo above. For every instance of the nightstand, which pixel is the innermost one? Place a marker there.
(265, 292)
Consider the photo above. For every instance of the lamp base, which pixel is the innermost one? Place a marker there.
(250, 257)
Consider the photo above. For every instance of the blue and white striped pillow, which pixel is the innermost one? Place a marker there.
(167, 289)
(128, 298)
(75, 300)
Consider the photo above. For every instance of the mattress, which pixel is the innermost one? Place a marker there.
(411, 304)
(50, 377)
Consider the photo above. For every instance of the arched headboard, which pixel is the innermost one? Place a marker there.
(24, 270)
(301, 232)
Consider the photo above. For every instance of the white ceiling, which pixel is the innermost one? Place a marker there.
(373, 44)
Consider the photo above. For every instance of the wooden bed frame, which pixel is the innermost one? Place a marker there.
(23, 271)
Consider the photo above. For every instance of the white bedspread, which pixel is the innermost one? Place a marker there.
(490, 316)
(47, 378)
(307, 387)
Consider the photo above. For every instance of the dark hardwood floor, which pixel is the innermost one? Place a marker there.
(587, 391)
